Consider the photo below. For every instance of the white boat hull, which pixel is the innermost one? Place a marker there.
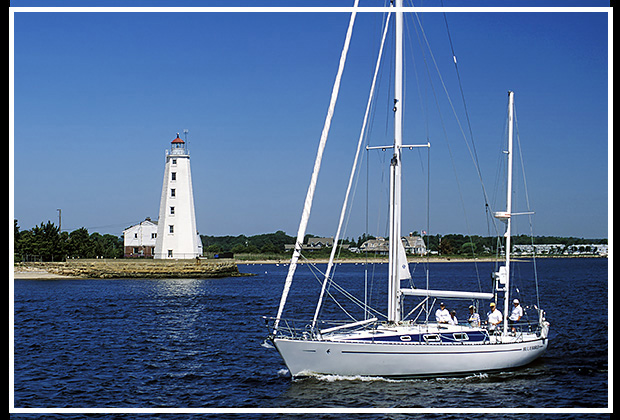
(317, 357)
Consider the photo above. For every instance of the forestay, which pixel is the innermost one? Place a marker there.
(315, 172)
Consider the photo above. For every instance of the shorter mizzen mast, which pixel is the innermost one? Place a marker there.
(503, 275)
(508, 234)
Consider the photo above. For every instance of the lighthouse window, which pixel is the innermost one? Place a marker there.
(169, 253)
(174, 161)
(171, 228)
(171, 209)
(173, 192)
(173, 176)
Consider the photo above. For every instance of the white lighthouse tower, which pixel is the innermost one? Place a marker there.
(177, 237)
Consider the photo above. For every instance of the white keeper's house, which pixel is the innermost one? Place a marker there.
(139, 240)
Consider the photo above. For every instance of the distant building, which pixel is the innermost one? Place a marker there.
(560, 249)
(414, 244)
(318, 243)
(139, 240)
(378, 246)
(313, 244)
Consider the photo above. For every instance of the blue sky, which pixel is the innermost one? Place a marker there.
(99, 96)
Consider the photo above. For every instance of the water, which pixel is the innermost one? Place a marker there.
(197, 343)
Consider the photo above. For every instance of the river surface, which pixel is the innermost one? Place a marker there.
(197, 343)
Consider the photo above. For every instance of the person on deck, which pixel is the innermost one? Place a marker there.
(516, 314)
(494, 317)
(442, 315)
(453, 319)
(474, 317)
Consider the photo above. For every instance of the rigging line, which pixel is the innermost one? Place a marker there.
(340, 289)
(314, 269)
(353, 171)
(471, 133)
(424, 109)
(458, 76)
(315, 172)
(471, 153)
(446, 137)
(527, 202)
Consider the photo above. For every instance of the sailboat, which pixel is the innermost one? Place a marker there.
(395, 347)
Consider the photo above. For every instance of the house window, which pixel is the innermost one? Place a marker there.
(171, 209)
(173, 176)
(173, 192)
(171, 228)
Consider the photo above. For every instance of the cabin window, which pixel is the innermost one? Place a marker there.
(432, 338)
(405, 338)
(460, 336)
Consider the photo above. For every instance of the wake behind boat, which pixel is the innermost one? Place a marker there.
(396, 346)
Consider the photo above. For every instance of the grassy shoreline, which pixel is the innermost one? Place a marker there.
(206, 268)
(250, 260)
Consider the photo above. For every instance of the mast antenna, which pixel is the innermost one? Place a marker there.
(185, 131)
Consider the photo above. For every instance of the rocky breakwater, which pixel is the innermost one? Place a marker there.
(126, 268)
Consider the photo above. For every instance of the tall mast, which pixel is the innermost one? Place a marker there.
(508, 208)
(394, 314)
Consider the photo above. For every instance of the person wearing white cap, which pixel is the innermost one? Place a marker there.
(442, 315)
(516, 314)
(494, 317)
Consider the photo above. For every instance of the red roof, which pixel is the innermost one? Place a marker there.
(177, 140)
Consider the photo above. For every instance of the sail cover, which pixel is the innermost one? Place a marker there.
(403, 265)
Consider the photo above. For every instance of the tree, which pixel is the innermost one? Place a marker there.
(79, 244)
(446, 246)
(47, 242)
(468, 248)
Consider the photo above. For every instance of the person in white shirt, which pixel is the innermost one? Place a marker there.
(474, 317)
(453, 319)
(516, 314)
(442, 315)
(494, 317)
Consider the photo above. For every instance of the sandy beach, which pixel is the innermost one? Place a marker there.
(23, 273)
